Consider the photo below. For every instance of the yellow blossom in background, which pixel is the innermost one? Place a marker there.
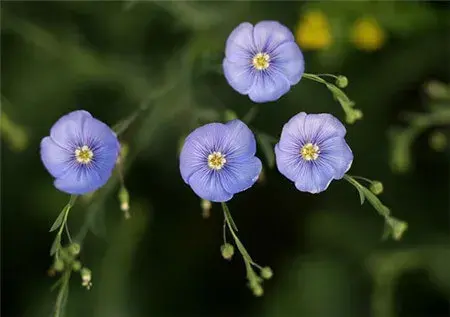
(367, 35)
(313, 31)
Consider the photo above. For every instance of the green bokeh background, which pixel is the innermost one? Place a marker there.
(110, 58)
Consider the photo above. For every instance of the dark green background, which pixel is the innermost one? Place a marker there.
(111, 57)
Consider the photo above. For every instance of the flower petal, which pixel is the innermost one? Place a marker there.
(193, 157)
(239, 142)
(81, 180)
(268, 35)
(337, 154)
(291, 138)
(288, 59)
(322, 126)
(55, 158)
(67, 131)
(268, 86)
(240, 43)
(288, 163)
(313, 178)
(239, 175)
(239, 75)
(207, 185)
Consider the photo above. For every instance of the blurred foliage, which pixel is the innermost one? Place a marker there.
(155, 68)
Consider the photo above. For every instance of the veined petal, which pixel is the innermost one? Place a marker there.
(239, 141)
(291, 138)
(55, 158)
(268, 86)
(81, 180)
(336, 153)
(67, 131)
(240, 42)
(239, 75)
(288, 163)
(193, 157)
(239, 175)
(207, 185)
(268, 35)
(313, 178)
(288, 59)
(322, 126)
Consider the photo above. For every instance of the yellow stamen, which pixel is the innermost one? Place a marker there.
(84, 154)
(216, 160)
(261, 61)
(310, 152)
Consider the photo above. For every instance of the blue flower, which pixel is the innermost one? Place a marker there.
(80, 153)
(312, 151)
(218, 160)
(262, 61)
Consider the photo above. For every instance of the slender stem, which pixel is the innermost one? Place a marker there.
(62, 294)
(69, 237)
(72, 200)
(362, 178)
(224, 230)
(231, 224)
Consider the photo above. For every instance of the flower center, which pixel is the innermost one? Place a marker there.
(216, 160)
(261, 61)
(84, 154)
(310, 152)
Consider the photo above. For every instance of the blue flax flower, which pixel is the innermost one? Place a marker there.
(218, 160)
(312, 151)
(262, 61)
(80, 153)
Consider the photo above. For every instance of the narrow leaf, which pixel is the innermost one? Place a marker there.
(58, 222)
(267, 148)
(362, 197)
(55, 245)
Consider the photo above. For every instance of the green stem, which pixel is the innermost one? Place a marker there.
(231, 225)
(72, 200)
(62, 294)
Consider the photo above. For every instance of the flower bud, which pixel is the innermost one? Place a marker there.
(438, 141)
(76, 266)
(74, 249)
(398, 228)
(227, 251)
(86, 277)
(58, 266)
(206, 208)
(341, 81)
(257, 289)
(376, 187)
(266, 273)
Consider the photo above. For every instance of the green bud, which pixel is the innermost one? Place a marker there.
(74, 249)
(230, 115)
(357, 114)
(227, 251)
(438, 141)
(398, 227)
(341, 81)
(266, 273)
(86, 277)
(257, 289)
(124, 199)
(76, 266)
(206, 208)
(58, 266)
(376, 187)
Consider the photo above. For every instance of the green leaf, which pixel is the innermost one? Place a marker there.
(58, 222)
(55, 245)
(267, 147)
(362, 196)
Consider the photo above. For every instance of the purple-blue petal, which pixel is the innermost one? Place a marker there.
(239, 141)
(56, 159)
(240, 43)
(239, 75)
(288, 59)
(81, 180)
(336, 153)
(288, 163)
(314, 177)
(322, 126)
(67, 131)
(239, 175)
(207, 185)
(268, 35)
(268, 86)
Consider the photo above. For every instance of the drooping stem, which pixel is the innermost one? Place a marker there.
(63, 293)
